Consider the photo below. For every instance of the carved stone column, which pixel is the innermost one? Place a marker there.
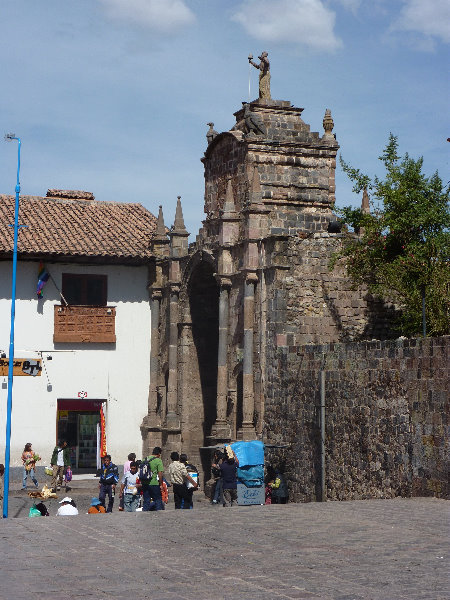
(248, 428)
(154, 356)
(221, 429)
(172, 417)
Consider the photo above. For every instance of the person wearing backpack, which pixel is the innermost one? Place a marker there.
(107, 485)
(151, 486)
(59, 462)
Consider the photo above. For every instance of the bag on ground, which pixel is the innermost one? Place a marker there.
(34, 512)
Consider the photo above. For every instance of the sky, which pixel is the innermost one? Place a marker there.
(113, 96)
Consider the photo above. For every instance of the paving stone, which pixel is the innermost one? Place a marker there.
(357, 550)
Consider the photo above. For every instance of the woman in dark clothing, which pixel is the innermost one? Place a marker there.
(217, 474)
(229, 477)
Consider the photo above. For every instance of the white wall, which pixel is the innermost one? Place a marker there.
(118, 373)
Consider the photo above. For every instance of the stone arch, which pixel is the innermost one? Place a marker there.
(203, 297)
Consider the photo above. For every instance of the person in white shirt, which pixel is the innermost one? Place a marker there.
(67, 508)
(130, 488)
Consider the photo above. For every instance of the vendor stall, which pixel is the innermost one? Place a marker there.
(250, 473)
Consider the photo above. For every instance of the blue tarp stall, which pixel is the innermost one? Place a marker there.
(250, 473)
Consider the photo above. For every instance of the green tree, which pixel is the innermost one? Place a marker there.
(403, 246)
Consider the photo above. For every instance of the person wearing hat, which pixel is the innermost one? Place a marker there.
(96, 507)
(67, 508)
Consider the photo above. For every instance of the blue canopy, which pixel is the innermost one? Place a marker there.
(249, 453)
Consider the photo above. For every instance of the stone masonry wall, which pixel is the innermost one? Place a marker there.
(320, 305)
(386, 418)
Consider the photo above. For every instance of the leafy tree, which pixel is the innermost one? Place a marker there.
(403, 247)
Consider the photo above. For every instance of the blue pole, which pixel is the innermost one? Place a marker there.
(11, 338)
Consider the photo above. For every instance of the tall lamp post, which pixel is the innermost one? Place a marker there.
(8, 137)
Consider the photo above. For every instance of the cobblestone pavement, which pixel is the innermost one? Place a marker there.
(360, 550)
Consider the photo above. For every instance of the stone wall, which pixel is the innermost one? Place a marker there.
(311, 304)
(386, 418)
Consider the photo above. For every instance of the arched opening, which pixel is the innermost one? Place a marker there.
(204, 309)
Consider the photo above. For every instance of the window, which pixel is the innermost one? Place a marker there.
(85, 290)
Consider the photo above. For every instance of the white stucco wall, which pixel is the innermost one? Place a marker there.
(118, 373)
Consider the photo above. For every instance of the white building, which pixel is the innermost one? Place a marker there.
(89, 335)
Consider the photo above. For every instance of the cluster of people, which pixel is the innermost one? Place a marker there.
(144, 482)
(60, 465)
(143, 485)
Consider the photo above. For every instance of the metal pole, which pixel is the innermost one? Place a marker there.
(11, 337)
(322, 437)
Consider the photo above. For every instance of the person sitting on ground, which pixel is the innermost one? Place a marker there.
(229, 475)
(67, 508)
(129, 489)
(279, 488)
(59, 462)
(96, 507)
(179, 476)
(42, 509)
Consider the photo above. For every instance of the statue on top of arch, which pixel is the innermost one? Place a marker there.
(264, 75)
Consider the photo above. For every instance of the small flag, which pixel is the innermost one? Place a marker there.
(43, 277)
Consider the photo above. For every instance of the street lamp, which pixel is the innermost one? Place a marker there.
(9, 137)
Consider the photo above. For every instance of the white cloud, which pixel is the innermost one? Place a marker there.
(157, 15)
(304, 22)
(351, 5)
(429, 17)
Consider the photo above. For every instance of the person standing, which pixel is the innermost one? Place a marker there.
(108, 480)
(217, 474)
(2, 482)
(190, 469)
(29, 463)
(129, 489)
(126, 468)
(59, 462)
(229, 476)
(152, 489)
(179, 476)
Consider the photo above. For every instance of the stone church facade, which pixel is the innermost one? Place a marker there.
(255, 282)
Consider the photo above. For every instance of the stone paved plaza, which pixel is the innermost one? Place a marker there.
(370, 549)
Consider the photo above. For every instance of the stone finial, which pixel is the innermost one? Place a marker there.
(229, 206)
(178, 226)
(328, 123)
(160, 227)
(365, 204)
(255, 189)
(211, 133)
(264, 74)
(365, 209)
(255, 192)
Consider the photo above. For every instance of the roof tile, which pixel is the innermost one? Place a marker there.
(77, 227)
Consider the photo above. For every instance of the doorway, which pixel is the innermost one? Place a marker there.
(77, 423)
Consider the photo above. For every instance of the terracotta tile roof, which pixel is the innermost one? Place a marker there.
(72, 224)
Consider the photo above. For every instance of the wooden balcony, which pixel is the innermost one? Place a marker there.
(86, 324)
